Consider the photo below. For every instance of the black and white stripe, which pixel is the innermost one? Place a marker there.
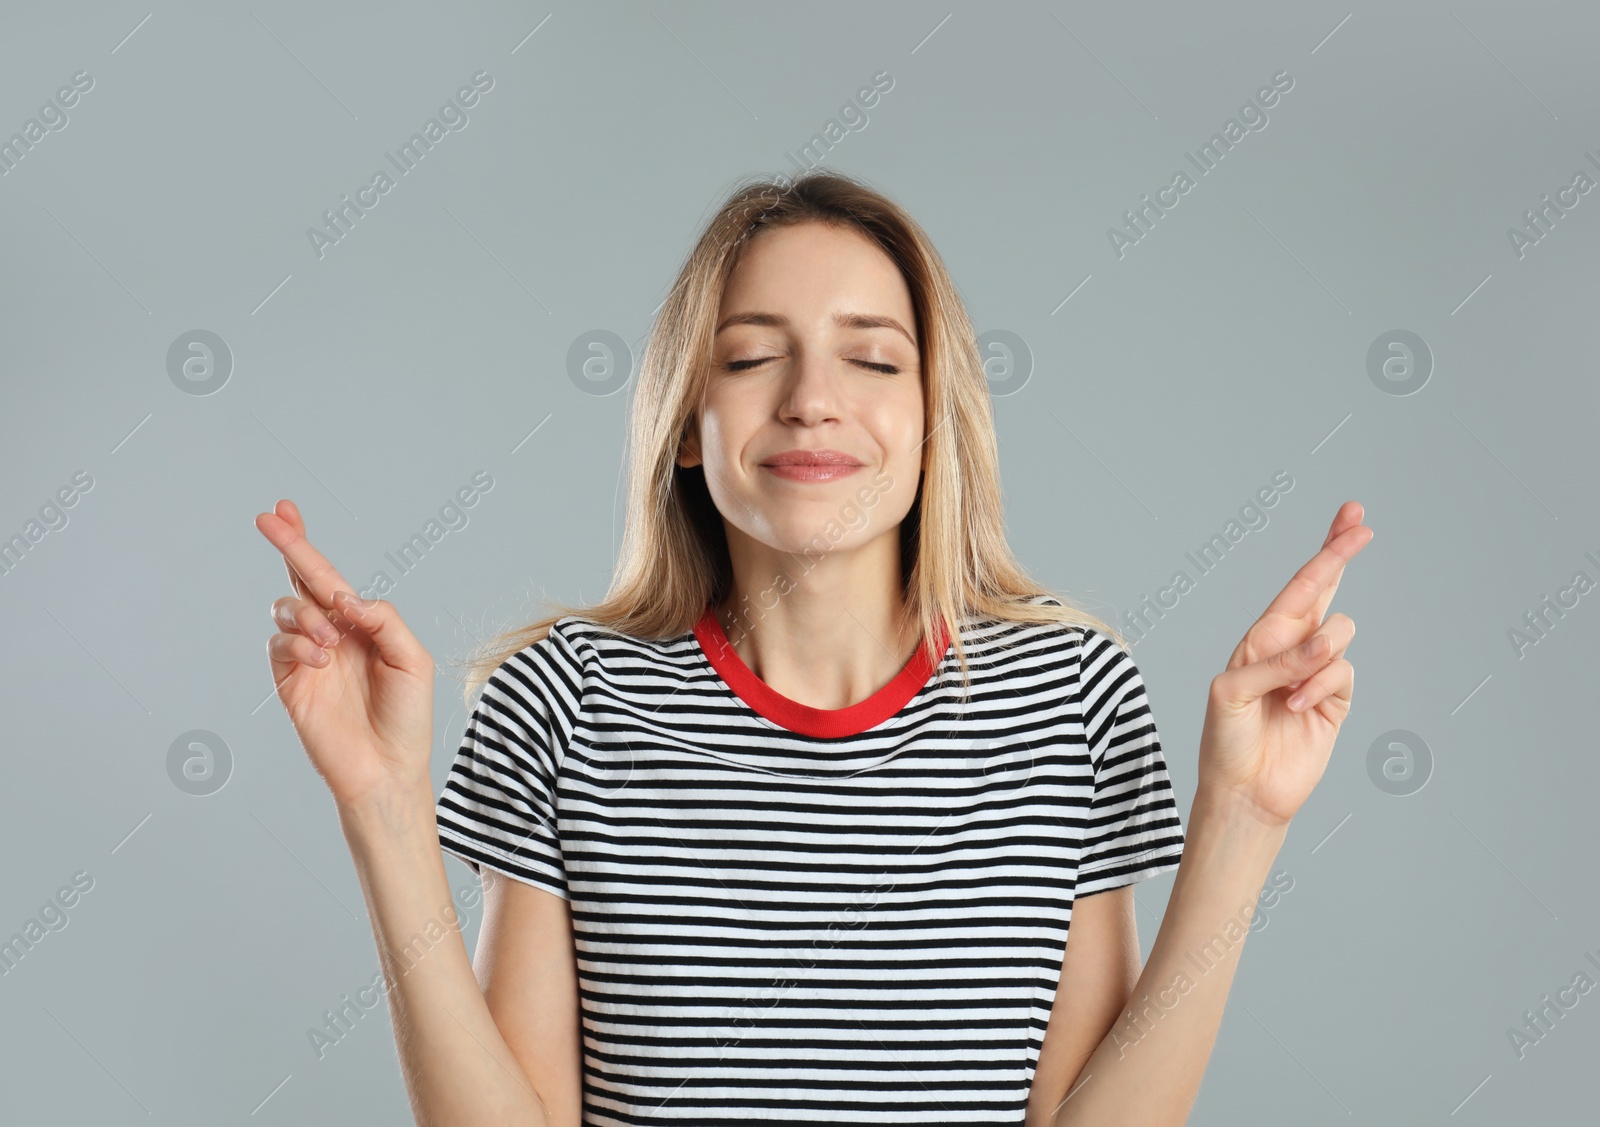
(864, 929)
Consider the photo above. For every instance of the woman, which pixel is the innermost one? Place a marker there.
(796, 820)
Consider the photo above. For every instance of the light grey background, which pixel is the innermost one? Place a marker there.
(431, 343)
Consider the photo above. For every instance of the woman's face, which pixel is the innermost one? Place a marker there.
(815, 349)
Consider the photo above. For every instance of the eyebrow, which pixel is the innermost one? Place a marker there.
(843, 320)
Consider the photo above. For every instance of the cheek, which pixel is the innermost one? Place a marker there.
(713, 439)
(726, 424)
(900, 422)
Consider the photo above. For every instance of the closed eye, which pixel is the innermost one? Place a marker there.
(742, 365)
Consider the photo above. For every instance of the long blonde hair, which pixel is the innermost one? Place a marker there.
(956, 563)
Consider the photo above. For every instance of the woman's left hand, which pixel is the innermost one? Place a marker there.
(1262, 745)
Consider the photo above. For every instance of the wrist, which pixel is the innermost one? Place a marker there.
(1227, 851)
(1223, 806)
(390, 813)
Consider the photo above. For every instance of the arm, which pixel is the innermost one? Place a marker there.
(1271, 720)
(1099, 969)
(458, 1067)
(1147, 1069)
(358, 687)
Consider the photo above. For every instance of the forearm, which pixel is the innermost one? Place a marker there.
(1148, 1068)
(457, 1066)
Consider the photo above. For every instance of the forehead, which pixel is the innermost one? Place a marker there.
(809, 271)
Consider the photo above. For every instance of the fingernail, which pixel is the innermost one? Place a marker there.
(1296, 701)
(1313, 647)
(326, 635)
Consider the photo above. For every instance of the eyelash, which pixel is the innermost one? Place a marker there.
(742, 365)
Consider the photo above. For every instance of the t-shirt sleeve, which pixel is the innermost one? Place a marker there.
(498, 807)
(1133, 829)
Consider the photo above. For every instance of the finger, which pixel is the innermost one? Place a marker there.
(290, 512)
(288, 651)
(1349, 516)
(395, 643)
(291, 515)
(1319, 576)
(1340, 629)
(319, 578)
(295, 615)
(1252, 682)
(1335, 680)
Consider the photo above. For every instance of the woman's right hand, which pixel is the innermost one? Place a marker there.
(357, 684)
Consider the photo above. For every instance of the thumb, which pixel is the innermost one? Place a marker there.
(1254, 681)
(395, 643)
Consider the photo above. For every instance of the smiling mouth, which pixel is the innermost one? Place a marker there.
(819, 457)
(811, 465)
(812, 471)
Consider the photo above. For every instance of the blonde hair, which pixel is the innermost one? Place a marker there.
(956, 563)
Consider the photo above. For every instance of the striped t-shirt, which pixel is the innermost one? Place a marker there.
(811, 915)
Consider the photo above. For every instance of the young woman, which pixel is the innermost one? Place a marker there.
(795, 822)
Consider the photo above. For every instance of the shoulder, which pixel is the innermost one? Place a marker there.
(578, 648)
(1087, 645)
(1070, 646)
(550, 670)
(594, 643)
(1096, 678)
(559, 648)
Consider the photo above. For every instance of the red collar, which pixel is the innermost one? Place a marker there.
(802, 718)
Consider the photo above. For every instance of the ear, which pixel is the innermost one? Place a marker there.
(689, 447)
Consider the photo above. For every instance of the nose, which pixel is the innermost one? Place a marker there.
(811, 394)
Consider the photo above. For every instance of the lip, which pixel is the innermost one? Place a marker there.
(811, 465)
(820, 457)
(813, 471)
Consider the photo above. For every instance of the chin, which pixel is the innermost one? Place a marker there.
(828, 532)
